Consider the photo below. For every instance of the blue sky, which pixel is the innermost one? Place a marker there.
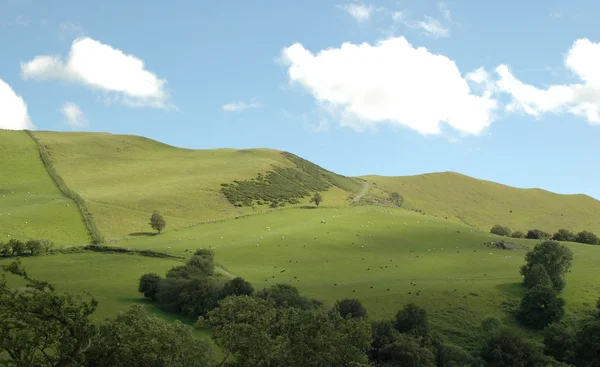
(505, 91)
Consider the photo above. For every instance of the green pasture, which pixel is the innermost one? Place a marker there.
(31, 206)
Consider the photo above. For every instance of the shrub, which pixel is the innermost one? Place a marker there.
(285, 295)
(500, 230)
(34, 246)
(508, 349)
(149, 285)
(18, 247)
(397, 199)
(412, 319)
(540, 307)
(559, 342)
(587, 237)
(518, 234)
(564, 235)
(237, 287)
(407, 350)
(350, 307)
(317, 199)
(537, 234)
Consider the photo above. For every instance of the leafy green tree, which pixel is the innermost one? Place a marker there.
(518, 234)
(396, 198)
(199, 296)
(317, 199)
(285, 295)
(40, 327)
(350, 307)
(537, 276)
(136, 338)
(47, 245)
(587, 237)
(560, 343)
(508, 349)
(237, 287)
(537, 234)
(157, 222)
(450, 355)
(555, 258)
(196, 266)
(149, 285)
(6, 249)
(489, 327)
(34, 246)
(540, 307)
(564, 235)
(407, 351)
(18, 247)
(588, 345)
(168, 294)
(412, 319)
(500, 230)
(383, 333)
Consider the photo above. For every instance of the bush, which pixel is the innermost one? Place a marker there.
(412, 319)
(537, 234)
(518, 234)
(199, 296)
(559, 342)
(489, 327)
(34, 246)
(564, 235)
(149, 285)
(350, 307)
(285, 295)
(237, 287)
(407, 350)
(586, 237)
(540, 307)
(396, 198)
(508, 349)
(18, 247)
(168, 293)
(500, 230)
(588, 345)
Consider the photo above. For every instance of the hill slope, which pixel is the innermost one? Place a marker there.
(124, 178)
(31, 205)
(482, 204)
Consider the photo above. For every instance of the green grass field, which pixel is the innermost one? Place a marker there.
(459, 285)
(482, 203)
(31, 206)
(125, 178)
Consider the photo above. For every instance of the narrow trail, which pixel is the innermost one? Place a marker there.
(363, 192)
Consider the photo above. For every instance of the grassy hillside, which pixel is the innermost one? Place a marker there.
(124, 178)
(482, 204)
(31, 205)
(372, 255)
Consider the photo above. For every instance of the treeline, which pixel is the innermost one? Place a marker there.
(586, 237)
(16, 247)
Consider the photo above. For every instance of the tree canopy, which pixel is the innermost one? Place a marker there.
(554, 257)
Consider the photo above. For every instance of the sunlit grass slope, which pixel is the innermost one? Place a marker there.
(124, 178)
(482, 203)
(372, 255)
(31, 205)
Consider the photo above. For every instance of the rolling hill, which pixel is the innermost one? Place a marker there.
(31, 205)
(482, 204)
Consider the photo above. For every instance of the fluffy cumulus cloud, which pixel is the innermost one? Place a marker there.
(581, 99)
(360, 12)
(104, 68)
(73, 115)
(392, 82)
(13, 110)
(240, 106)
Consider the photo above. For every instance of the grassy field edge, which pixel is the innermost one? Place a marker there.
(89, 222)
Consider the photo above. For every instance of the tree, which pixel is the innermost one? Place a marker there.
(537, 234)
(136, 338)
(157, 222)
(518, 234)
(149, 285)
(199, 296)
(396, 198)
(41, 327)
(350, 307)
(47, 245)
(197, 266)
(412, 319)
(285, 295)
(237, 287)
(407, 351)
(588, 345)
(6, 249)
(383, 333)
(34, 246)
(168, 294)
(537, 276)
(18, 247)
(555, 258)
(560, 342)
(587, 237)
(564, 235)
(317, 199)
(540, 307)
(500, 230)
(450, 355)
(507, 349)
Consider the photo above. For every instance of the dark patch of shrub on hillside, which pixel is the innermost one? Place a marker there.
(587, 237)
(564, 235)
(123, 250)
(285, 185)
(518, 234)
(501, 230)
(537, 234)
(16, 247)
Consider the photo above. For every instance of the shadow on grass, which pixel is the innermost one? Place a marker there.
(516, 290)
(137, 234)
(308, 207)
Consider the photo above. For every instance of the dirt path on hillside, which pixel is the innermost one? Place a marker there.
(363, 192)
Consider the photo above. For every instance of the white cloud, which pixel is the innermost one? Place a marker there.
(430, 25)
(13, 110)
(73, 114)
(390, 83)
(104, 68)
(580, 99)
(360, 12)
(240, 106)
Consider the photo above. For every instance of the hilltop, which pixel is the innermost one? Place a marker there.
(481, 204)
